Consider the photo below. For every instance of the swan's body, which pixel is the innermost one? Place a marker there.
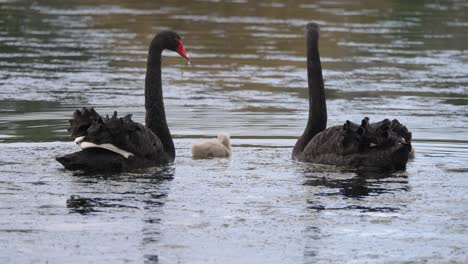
(385, 144)
(214, 148)
(115, 144)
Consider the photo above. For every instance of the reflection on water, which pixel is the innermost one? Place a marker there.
(368, 186)
(151, 177)
(380, 59)
(357, 186)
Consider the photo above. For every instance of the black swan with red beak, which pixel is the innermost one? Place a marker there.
(117, 144)
(382, 145)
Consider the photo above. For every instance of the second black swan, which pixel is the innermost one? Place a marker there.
(118, 143)
(383, 145)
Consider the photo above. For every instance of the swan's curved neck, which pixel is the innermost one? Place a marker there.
(317, 121)
(154, 104)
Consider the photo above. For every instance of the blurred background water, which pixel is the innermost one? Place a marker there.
(382, 59)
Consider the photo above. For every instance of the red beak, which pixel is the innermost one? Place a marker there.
(181, 50)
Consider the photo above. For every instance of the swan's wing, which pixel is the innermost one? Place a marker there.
(117, 135)
(125, 134)
(379, 144)
(122, 133)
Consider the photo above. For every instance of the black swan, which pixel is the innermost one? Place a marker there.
(214, 148)
(383, 145)
(116, 144)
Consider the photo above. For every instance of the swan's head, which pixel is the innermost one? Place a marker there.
(384, 142)
(171, 40)
(224, 138)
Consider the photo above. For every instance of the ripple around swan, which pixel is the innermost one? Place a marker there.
(248, 78)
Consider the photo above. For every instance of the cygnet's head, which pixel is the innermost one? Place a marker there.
(224, 138)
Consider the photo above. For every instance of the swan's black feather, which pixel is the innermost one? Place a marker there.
(81, 121)
(121, 132)
(373, 145)
(125, 134)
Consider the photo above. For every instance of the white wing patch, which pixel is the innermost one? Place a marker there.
(78, 140)
(110, 147)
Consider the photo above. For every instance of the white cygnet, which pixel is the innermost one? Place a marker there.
(213, 148)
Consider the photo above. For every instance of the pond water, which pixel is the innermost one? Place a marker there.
(405, 60)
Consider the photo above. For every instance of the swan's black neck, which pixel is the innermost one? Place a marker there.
(317, 121)
(154, 104)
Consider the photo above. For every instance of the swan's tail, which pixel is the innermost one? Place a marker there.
(81, 121)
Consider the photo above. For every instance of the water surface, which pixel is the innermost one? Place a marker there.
(380, 59)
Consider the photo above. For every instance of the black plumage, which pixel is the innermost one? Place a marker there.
(119, 143)
(384, 145)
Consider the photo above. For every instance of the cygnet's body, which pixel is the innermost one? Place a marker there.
(213, 148)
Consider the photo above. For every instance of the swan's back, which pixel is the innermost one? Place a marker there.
(126, 135)
(111, 144)
(213, 148)
(385, 144)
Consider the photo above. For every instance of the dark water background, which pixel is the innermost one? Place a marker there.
(404, 59)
